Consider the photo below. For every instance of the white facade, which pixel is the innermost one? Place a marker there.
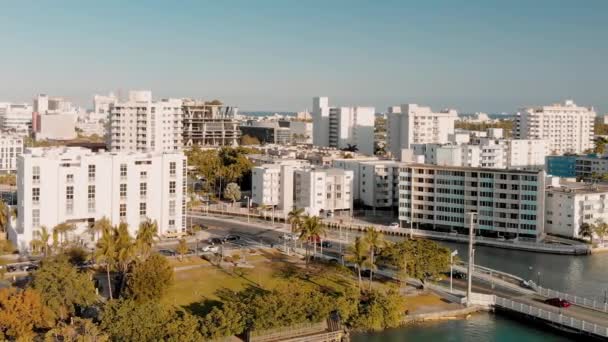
(15, 117)
(568, 127)
(101, 106)
(322, 190)
(342, 126)
(569, 205)
(56, 126)
(273, 184)
(508, 202)
(301, 132)
(143, 125)
(78, 186)
(11, 147)
(418, 125)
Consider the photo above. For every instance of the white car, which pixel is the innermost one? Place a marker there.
(289, 237)
(211, 248)
(394, 225)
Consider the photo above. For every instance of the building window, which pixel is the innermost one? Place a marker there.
(123, 171)
(91, 173)
(123, 191)
(171, 223)
(172, 208)
(35, 195)
(172, 168)
(91, 198)
(143, 175)
(35, 218)
(69, 199)
(142, 209)
(69, 178)
(172, 188)
(36, 174)
(143, 189)
(123, 212)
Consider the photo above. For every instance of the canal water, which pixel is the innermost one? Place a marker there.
(583, 275)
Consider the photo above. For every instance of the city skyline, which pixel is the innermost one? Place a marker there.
(275, 56)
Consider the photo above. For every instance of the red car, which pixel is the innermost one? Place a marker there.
(560, 303)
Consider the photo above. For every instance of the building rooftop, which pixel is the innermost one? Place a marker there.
(468, 168)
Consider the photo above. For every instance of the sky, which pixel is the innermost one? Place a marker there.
(475, 55)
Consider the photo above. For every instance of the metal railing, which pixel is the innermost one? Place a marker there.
(553, 317)
(576, 300)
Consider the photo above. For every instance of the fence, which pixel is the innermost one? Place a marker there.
(553, 317)
(576, 300)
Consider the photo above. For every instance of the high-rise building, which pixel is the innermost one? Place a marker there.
(413, 124)
(101, 106)
(340, 127)
(15, 117)
(508, 203)
(568, 127)
(141, 124)
(78, 186)
(210, 124)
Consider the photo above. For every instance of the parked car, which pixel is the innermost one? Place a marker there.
(560, 303)
(29, 267)
(289, 237)
(11, 268)
(167, 252)
(394, 225)
(216, 241)
(211, 248)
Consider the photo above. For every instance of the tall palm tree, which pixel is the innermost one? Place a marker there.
(4, 216)
(63, 229)
(100, 226)
(314, 229)
(125, 248)
(375, 241)
(43, 236)
(357, 254)
(294, 218)
(147, 232)
(106, 253)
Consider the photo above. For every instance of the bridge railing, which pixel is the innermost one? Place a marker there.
(576, 300)
(553, 317)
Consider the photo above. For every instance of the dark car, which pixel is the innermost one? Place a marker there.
(324, 244)
(231, 238)
(560, 303)
(166, 252)
(216, 241)
(29, 267)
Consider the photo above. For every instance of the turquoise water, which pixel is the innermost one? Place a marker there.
(479, 327)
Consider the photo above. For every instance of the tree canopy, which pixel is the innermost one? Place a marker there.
(22, 311)
(149, 279)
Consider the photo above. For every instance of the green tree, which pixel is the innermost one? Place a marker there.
(99, 227)
(600, 229)
(106, 253)
(22, 311)
(182, 248)
(425, 258)
(358, 255)
(149, 279)
(249, 140)
(223, 321)
(62, 287)
(127, 320)
(4, 217)
(232, 192)
(125, 247)
(294, 217)
(147, 232)
(79, 330)
(43, 236)
(375, 241)
(586, 230)
(379, 310)
(312, 229)
(62, 230)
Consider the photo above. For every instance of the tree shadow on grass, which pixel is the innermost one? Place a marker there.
(202, 308)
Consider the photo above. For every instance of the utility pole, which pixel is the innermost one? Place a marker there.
(454, 253)
(471, 257)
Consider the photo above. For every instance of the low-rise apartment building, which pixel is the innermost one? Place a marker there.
(273, 184)
(11, 147)
(320, 191)
(508, 203)
(78, 186)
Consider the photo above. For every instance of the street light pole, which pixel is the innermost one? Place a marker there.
(471, 258)
(454, 253)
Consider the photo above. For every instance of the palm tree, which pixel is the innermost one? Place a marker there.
(314, 229)
(375, 240)
(43, 236)
(100, 226)
(4, 216)
(357, 254)
(63, 230)
(294, 218)
(125, 248)
(147, 232)
(106, 253)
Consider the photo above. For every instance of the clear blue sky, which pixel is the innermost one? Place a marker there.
(481, 55)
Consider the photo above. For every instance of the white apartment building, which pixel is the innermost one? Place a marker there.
(273, 184)
(55, 126)
(342, 126)
(101, 107)
(15, 117)
(571, 204)
(508, 203)
(143, 125)
(375, 183)
(323, 190)
(568, 127)
(414, 124)
(11, 147)
(77, 186)
(301, 132)
(589, 166)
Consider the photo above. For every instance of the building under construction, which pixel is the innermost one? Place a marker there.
(210, 124)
